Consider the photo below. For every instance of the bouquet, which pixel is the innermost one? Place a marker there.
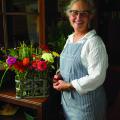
(29, 62)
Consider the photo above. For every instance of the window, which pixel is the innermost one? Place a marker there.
(21, 20)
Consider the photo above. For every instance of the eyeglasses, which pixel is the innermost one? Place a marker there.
(75, 13)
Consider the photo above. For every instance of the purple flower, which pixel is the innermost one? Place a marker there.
(10, 60)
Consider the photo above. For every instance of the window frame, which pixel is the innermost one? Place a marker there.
(41, 20)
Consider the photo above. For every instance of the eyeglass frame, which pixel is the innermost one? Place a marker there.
(83, 13)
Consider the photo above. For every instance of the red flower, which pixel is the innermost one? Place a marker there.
(26, 61)
(45, 48)
(19, 66)
(41, 65)
(22, 70)
(34, 64)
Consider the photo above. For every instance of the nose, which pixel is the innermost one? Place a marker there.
(79, 16)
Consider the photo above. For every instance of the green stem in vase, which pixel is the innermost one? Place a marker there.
(3, 76)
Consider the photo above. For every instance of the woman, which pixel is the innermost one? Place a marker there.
(83, 66)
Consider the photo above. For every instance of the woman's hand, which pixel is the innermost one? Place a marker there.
(61, 85)
(57, 77)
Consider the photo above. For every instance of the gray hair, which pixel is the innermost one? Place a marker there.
(89, 2)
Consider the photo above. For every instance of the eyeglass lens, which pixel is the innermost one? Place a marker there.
(81, 13)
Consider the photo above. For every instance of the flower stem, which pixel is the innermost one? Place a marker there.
(3, 76)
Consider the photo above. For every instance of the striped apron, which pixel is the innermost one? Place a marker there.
(89, 106)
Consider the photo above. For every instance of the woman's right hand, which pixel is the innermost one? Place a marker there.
(57, 77)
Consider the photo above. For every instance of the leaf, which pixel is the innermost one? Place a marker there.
(52, 67)
(28, 117)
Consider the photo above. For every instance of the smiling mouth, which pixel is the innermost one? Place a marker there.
(79, 22)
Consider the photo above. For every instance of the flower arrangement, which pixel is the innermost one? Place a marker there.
(29, 62)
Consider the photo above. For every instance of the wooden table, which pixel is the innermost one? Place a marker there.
(9, 96)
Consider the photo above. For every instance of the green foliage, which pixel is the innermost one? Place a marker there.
(28, 116)
(58, 34)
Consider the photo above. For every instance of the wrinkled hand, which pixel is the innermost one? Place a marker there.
(61, 85)
(57, 77)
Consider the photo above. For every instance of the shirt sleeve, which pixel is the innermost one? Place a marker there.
(97, 63)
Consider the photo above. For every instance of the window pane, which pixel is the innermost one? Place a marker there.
(21, 6)
(33, 28)
(22, 28)
(1, 32)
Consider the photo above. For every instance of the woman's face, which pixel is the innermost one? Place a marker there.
(79, 16)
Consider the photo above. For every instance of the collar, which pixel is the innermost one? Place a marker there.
(88, 35)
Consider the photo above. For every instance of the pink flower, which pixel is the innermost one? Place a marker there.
(42, 66)
(11, 60)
